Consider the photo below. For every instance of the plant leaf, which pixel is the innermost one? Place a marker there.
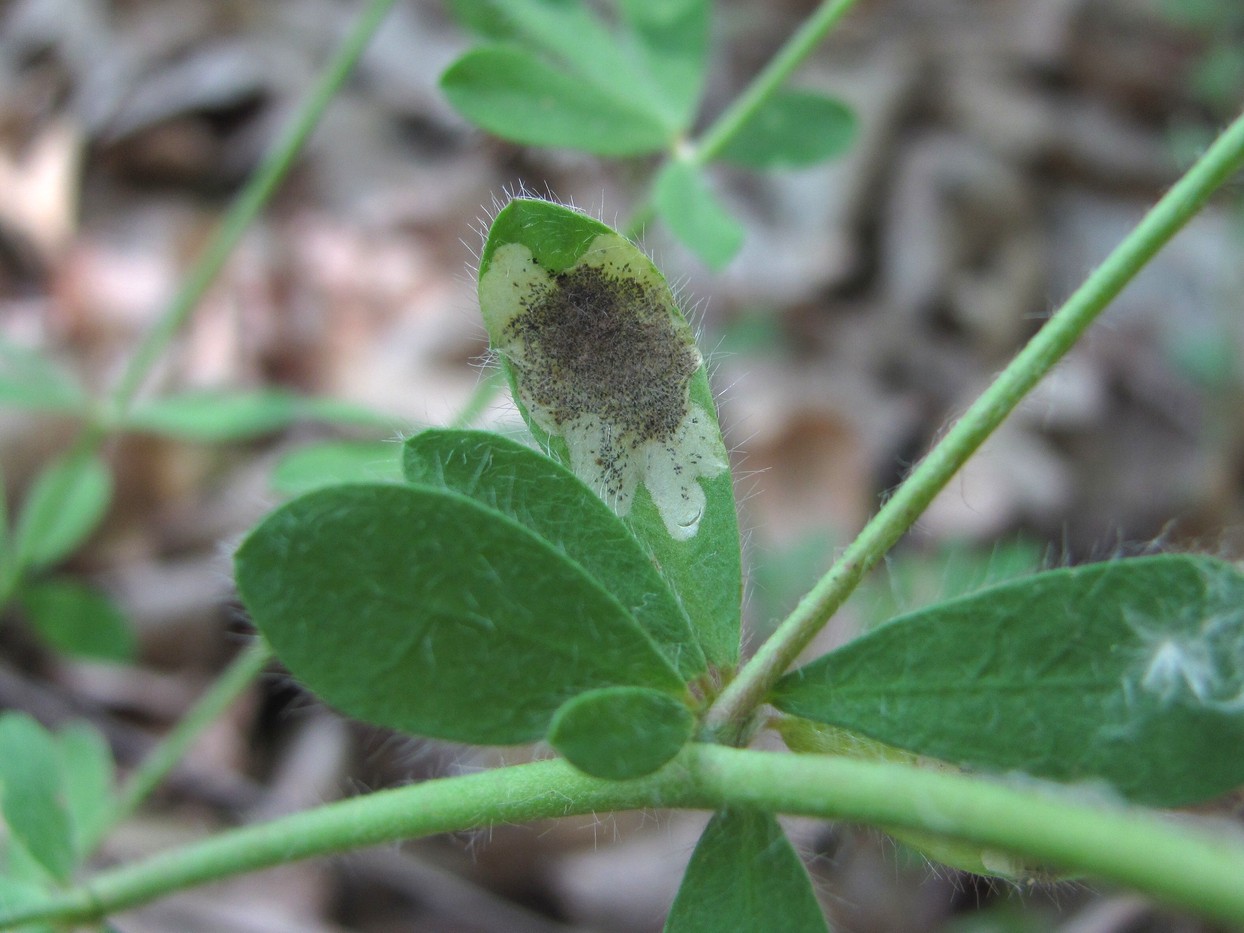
(422, 610)
(77, 619)
(214, 416)
(619, 733)
(65, 504)
(620, 396)
(518, 96)
(547, 498)
(30, 794)
(334, 462)
(745, 877)
(672, 44)
(86, 767)
(29, 379)
(1129, 672)
(690, 209)
(793, 129)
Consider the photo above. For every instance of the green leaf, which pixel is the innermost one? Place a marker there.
(87, 769)
(619, 733)
(334, 462)
(793, 129)
(77, 619)
(672, 45)
(684, 200)
(30, 794)
(30, 380)
(516, 95)
(1129, 672)
(745, 877)
(214, 416)
(604, 369)
(65, 504)
(551, 501)
(422, 610)
(17, 893)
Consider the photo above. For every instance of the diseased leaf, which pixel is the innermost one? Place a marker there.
(77, 619)
(688, 206)
(423, 610)
(619, 733)
(745, 877)
(793, 129)
(65, 504)
(547, 498)
(334, 462)
(605, 370)
(1130, 672)
(518, 96)
(30, 794)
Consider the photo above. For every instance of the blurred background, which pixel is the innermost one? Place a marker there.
(1005, 147)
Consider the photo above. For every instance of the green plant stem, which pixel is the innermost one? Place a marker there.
(486, 389)
(1194, 868)
(161, 760)
(771, 78)
(247, 206)
(729, 716)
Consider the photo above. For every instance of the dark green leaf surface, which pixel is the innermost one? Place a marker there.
(672, 42)
(544, 496)
(518, 96)
(78, 619)
(621, 398)
(30, 380)
(619, 733)
(422, 610)
(334, 462)
(62, 508)
(791, 130)
(1129, 672)
(30, 794)
(86, 767)
(745, 877)
(690, 208)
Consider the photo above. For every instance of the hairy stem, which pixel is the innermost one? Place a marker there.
(248, 204)
(747, 691)
(1191, 867)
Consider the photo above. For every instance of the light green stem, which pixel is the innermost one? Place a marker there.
(730, 713)
(770, 79)
(161, 760)
(1190, 867)
(248, 204)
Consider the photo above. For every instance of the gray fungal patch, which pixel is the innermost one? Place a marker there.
(601, 360)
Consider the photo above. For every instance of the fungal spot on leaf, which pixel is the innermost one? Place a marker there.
(602, 360)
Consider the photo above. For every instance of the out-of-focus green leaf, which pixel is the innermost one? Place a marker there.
(672, 43)
(31, 794)
(690, 208)
(793, 129)
(745, 877)
(423, 610)
(87, 773)
(518, 96)
(1130, 673)
(77, 619)
(30, 380)
(65, 504)
(619, 733)
(214, 416)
